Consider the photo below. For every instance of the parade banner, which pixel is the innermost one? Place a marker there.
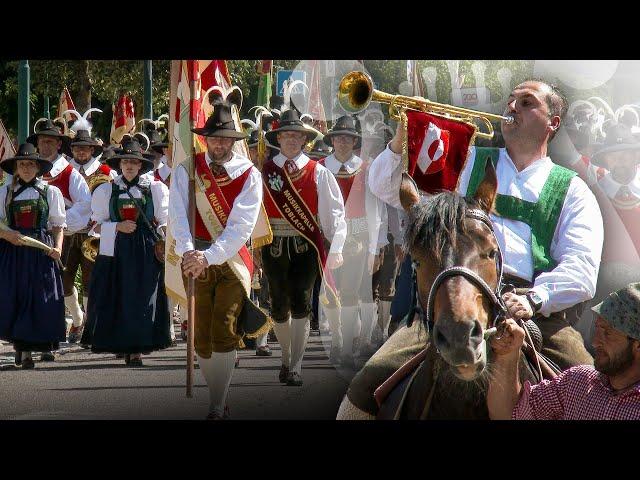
(264, 87)
(65, 103)
(437, 150)
(212, 73)
(316, 109)
(7, 150)
(124, 119)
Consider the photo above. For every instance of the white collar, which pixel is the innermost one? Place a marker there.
(89, 168)
(59, 164)
(540, 163)
(234, 167)
(351, 165)
(610, 187)
(301, 160)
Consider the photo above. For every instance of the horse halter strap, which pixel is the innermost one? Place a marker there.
(500, 309)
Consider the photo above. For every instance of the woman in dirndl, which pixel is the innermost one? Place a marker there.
(31, 293)
(128, 311)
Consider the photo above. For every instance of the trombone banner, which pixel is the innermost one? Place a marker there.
(437, 150)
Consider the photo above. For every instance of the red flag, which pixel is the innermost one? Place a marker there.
(316, 109)
(123, 120)
(437, 150)
(65, 103)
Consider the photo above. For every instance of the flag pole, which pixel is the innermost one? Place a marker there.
(194, 76)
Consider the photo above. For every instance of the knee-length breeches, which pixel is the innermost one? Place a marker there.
(219, 296)
(291, 267)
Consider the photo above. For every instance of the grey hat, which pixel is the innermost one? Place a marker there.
(621, 309)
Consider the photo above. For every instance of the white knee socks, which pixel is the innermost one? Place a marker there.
(349, 319)
(299, 336)
(333, 317)
(71, 302)
(283, 334)
(368, 317)
(218, 371)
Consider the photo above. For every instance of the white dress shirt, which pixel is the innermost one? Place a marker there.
(330, 202)
(240, 222)
(100, 209)
(90, 167)
(374, 207)
(163, 169)
(79, 208)
(577, 241)
(55, 200)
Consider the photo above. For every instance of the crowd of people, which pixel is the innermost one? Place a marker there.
(338, 259)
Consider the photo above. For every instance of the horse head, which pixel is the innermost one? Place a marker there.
(445, 231)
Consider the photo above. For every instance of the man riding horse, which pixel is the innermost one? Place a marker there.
(547, 229)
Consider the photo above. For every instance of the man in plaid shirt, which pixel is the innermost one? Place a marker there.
(610, 391)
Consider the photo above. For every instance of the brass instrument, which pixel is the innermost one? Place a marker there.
(91, 246)
(356, 91)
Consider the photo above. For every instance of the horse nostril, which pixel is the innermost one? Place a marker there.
(477, 330)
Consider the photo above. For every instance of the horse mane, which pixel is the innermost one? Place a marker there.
(435, 222)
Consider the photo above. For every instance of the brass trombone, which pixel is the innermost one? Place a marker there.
(356, 91)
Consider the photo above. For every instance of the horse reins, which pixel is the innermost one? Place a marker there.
(500, 310)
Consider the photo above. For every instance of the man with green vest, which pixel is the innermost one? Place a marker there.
(546, 219)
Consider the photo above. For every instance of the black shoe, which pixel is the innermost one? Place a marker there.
(284, 372)
(27, 364)
(18, 357)
(47, 357)
(314, 324)
(127, 358)
(294, 379)
(217, 416)
(135, 362)
(75, 334)
(264, 351)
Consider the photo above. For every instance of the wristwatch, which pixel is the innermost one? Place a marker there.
(534, 300)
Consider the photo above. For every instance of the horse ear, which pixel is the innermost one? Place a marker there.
(486, 193)
(409, 195)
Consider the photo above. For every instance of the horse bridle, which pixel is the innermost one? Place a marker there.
(495, 297)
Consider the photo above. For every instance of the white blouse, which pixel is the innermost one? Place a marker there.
(100, 209)
(57, 215)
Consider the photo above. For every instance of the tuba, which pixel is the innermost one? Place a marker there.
(356, 91)
(91, 246)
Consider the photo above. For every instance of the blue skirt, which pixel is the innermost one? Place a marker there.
(31, 296)
(128, 310)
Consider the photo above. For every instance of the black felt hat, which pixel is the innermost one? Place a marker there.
(27, 151)
(345, 125)
(131, 149)
(220, 123)
(290, 122)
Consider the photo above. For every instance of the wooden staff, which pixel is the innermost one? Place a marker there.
(194, 104)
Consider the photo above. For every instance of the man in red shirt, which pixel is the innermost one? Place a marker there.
(610, 391)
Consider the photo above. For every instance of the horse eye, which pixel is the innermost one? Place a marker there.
(493, 253)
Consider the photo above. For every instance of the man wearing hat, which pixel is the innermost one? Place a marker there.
(30, 280)
(228, 200)
(127, 311)
(305, 209)
(260, 285)
(610, 391)
(363, 212)
(160, 151)
(51, 143)
(85, 151)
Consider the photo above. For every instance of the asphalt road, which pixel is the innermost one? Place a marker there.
(83, 385)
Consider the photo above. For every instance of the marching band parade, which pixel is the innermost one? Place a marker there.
(457, 263)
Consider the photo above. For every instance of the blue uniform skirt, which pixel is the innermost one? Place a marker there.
(128, 310)
(31, 296)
